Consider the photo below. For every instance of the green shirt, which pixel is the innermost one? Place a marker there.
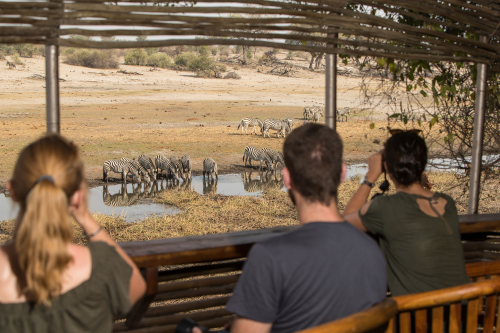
(422, 254)
(89, 307)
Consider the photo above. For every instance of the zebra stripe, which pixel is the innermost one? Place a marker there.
(163, 163)
(277, 125)
(276, 157)
(343, 113)
(252, 153)
(289, 121)
(175, 162)
(317, 115)
(187, 165)
(147, 163)
(119, 167)
(245, 122)
(134, 164)
(210, 168)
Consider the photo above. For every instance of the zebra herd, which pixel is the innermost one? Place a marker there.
(145, 170)
(315, 113)
(265, 155)
(283, 127)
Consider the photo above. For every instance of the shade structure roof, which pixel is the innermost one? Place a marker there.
(445, 30)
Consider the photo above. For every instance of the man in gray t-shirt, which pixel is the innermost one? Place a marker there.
(323, 271)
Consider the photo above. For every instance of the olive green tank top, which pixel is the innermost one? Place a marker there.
(89, 307)
(423, 253)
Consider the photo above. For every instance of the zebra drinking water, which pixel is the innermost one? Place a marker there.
(176, 163)
(134, 164)
(186, 165)
(210, 168)
(147, 163)
(289, 121)
(275, 156)
(119, 167)
(252, 153)
(163, 163)
(245, 122)
(277, 125)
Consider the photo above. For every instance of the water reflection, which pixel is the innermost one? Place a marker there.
(261, 181)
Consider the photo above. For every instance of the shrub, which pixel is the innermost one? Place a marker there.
(289, 55)
(224, 50)
(25, 50)
(184, 59)
(203, 50)
(151, 50)
(6, 49)
(200, 63)
(159, 60)
(214, 51)
(15, 59)
(136, 57)
(232, 75)
(92, 58)
(249, 54)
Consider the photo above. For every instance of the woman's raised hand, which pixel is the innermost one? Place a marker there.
(375, 167)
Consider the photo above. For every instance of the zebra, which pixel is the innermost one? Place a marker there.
(187, 165)
(275, 124)
(307, 113)
(343, 113)
(317, 116)
(119, 167)
(245, 122)
(163, 163)
(147, 163)
(134, 164)
(210, 168)
(275, 156)
(175, 162)
(10, 64)
(252, 153)
(289, 121)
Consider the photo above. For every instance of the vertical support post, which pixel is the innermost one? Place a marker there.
(331, 86)
(52, 88)
(135, 315)
(477, 135)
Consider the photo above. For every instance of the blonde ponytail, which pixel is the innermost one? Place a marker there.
(47, 173)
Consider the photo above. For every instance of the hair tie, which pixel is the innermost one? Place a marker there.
(45, 177)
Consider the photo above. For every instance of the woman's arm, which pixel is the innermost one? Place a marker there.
(361, 196)
(79, 210)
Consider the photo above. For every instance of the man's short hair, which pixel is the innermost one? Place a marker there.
(313, 155)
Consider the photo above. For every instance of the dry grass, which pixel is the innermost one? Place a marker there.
(209, 214)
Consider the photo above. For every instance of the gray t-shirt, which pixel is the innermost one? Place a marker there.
(310, 276)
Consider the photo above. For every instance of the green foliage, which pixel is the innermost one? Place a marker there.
(141, 38)
(92, 58)
(159, 60)
(213, 50)
(136, 57)
(184, 59)
(200, 63)
(151, 50)
(203, 50)
(289, 55)
(25, 50)
(15, 58)
(249, 53)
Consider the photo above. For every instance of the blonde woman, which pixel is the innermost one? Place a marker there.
(48, 284)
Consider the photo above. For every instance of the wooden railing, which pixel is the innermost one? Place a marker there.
(198, 273)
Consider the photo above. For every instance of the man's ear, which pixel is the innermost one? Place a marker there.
(287, 180)
(343, 173)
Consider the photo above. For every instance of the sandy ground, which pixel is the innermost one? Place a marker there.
(110, 114)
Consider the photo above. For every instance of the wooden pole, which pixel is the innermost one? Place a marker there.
(331, 87)
(478, 134)
(52, 88)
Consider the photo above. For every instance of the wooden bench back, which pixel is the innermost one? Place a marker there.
(374, 319)
(458, 309)
(199, 273)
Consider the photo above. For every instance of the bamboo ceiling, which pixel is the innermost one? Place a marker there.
(267, 23)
